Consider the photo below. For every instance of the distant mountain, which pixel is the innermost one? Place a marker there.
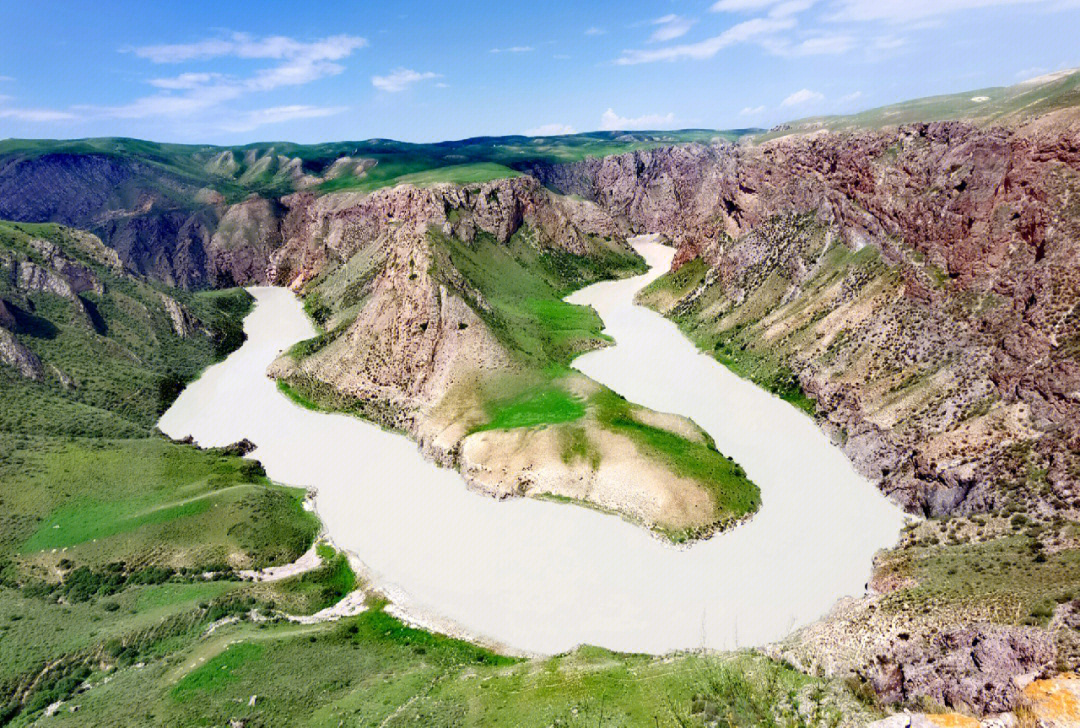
(160, 205)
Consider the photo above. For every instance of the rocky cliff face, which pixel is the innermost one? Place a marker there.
(157, 222)
(333, 227)
(949, 365)
(414, 337)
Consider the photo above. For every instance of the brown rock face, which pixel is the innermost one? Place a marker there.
(246, 236)
(318, 229)
(413, 339)
(973, 667)
(978, 230)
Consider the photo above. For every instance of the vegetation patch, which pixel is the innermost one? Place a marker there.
(544, 406)
(217, 673)
(523, 290)
(123, 501)
(319, 588)
(733, 493)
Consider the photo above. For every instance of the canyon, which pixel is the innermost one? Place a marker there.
(913, 288)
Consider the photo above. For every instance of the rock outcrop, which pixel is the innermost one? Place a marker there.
(246, 236)
(15, 354)
(414, 339)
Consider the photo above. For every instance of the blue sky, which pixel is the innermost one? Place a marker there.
(236, 72)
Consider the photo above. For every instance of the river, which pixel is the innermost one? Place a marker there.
(543, 577)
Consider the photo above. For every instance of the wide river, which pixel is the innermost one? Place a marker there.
(540, 576)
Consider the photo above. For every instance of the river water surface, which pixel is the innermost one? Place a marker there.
(540, 576)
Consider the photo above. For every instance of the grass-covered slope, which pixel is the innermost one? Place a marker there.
(734, 333)
(998, 104)
(107, 529)
(372, 670)
(112, 353)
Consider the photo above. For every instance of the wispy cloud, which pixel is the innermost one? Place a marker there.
(243, 45)
(776, 8)
(803, 97)
(752, 111)
(740, 6)
(848, 98)
(815, 46)
(6, 78)
(400, 79)
(35, 115)
(610, 121)
(670, 27)
(551, 130)
(184, 81)
(513, 49)
(197, 92)
(277, 114)
(207, 94)
(594, 31)
(738, 33)
(913, 10)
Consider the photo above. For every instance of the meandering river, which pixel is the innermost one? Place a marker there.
(541, 576)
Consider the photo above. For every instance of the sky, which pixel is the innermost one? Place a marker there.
(233, 72)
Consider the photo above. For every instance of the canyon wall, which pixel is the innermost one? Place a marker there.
(972, 295)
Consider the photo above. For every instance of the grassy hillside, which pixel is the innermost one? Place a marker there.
(107, 529)
(997, 104)
(112, 359)
(372, 670)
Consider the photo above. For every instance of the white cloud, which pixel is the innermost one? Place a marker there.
(776, 8)
(670, 27)
(804, 96)
(791, 7)
(610, 121)
(206, 95)
(853, 96)
(37, 115)
(6, 78)
(910, 10)
(243, 45)
(752, 111)
(815, 46)
(278, 114)
(740, 6)
(191, 93)
(738, 33)
(184, 81)
(400, 79)
(551, 130)
(513, 49)
(594, 31)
